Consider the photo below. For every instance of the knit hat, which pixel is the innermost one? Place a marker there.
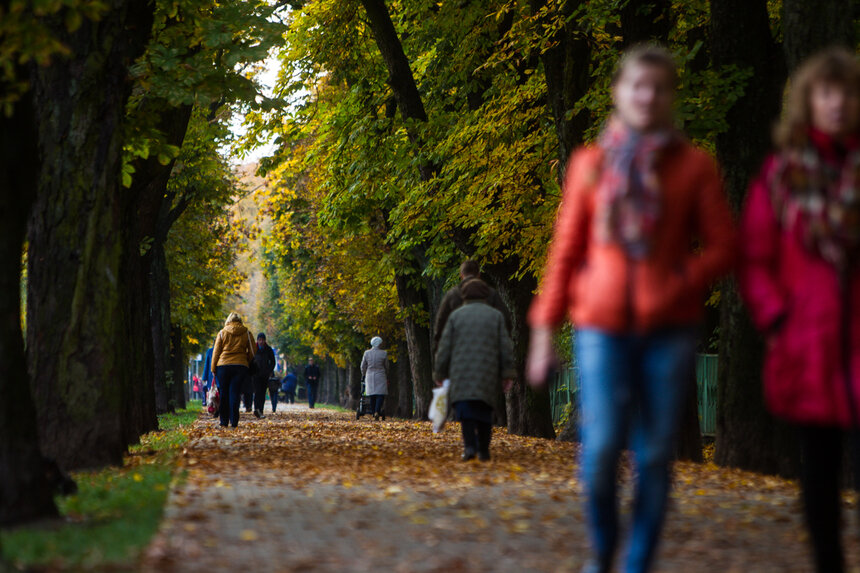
(376, 342)
(233, 317)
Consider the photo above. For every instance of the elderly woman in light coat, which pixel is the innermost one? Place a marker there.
(374, 369)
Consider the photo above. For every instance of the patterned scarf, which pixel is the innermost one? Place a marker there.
(818, 199)
(628, 189)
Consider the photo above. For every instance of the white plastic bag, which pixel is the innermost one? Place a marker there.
(439, 407)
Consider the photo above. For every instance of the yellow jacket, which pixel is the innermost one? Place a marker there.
(233, 345)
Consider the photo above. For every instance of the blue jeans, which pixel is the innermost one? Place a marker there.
(231, 378)
(634, 385)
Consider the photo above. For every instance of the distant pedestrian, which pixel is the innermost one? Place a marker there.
(374, 369)
(209, 382)
(288, 385)
(264, 359)
(624, 266)
(800, 276)
(312, 379)
(233, 352)
(476, 355)
(453, 299)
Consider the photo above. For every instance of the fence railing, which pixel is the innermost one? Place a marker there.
(564, 390)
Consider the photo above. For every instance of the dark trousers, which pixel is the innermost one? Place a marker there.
(312, 393)
(261, 384)
(477, 435)
(248, 392)
(376, 402)
(290, 396)
(821, 448)
(273, 396)
(231, 379)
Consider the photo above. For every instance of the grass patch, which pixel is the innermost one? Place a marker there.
(331, 407)
(115, 513)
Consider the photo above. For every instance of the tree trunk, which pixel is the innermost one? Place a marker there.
(76, 307)
(404, 382)
(810, 26)
(179, 368)
(160, 325)
(354, 366)
(747, 436)
(25, 493)
(645, 22)
(413, 301)
(528, 411)
(142, 213)
(568, 78)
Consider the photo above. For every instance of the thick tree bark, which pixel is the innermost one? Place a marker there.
(528, 412)
(25, 493)
(354, 378)
(143, 214)
(76, 308)
(413, 301)
(567, 67)
(159, 293)
(404, 382)
(811, 26)
(747, 436)
(179, 368)
(645, 22)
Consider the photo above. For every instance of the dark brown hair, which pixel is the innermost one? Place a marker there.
(832, 65)
(649, 55)
(470, 268)
(475, 289)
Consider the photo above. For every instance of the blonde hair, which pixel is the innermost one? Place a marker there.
(233, 317)
(649, 55)
(833, 65)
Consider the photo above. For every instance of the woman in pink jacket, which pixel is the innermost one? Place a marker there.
(800, 276)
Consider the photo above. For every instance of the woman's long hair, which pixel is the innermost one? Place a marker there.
(833, 65)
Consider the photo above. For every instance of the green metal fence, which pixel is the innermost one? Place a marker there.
(564, 390)
(706, 386)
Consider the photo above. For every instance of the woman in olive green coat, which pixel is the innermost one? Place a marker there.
(476, 355)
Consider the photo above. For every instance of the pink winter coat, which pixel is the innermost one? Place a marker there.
(794, 298)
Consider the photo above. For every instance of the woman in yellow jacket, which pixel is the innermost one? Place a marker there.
(231, 358)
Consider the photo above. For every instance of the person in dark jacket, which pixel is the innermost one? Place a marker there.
(288, 385)
(312, 378)
(476, 354)
(453, 300)
(265, 361)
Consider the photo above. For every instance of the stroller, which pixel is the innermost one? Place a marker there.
(363, 408)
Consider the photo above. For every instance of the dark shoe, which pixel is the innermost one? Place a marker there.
(484, 456)
(223, 425)
(468, 455)
(247, 409)
(383, 417)
(258, 414)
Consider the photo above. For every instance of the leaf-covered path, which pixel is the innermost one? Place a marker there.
(316, 490)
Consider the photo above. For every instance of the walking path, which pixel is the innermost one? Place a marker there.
(317, 490)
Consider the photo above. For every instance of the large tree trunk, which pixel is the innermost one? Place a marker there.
(811, 26)
(528, 411)
(566, 66)
(179, 369)
(25, 493)
(159, 285)
(413, 300)
(76, 307)
(142, 214)
(747, 436)
(354, 379)
(404, 382)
